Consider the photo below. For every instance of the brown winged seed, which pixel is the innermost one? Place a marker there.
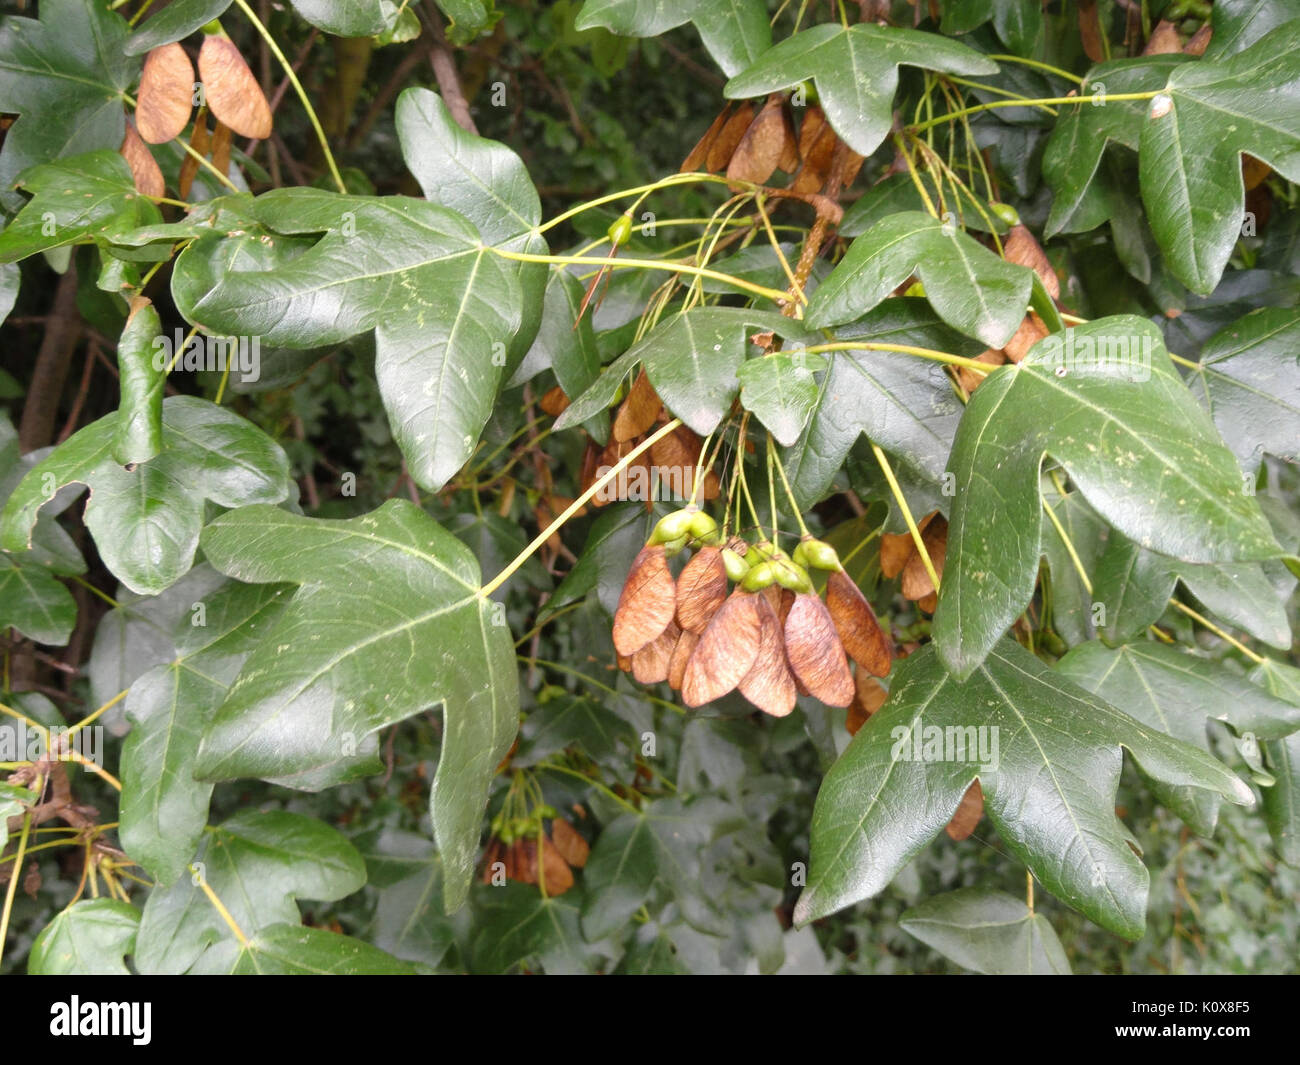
(648, 601)
(701, 589)
(650, 664)
(856, 623)
(145, 171)
(726, 651)
(815, 653)
(681, 656)
(768, 684)
(166, 95)
(231, 91)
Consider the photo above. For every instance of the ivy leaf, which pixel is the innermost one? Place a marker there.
(90, 938)
(178, 19)
(1072, 160)
(146, 522)
(443, 309)
(970, 288)
(1135, 585)
(780, 390)
(257, 863)
(1249, 380)
(987, 932)
(487, 183)
(855, 71)
(388, 621)
(1281, 802)
(295, 950)
(163, 807)
(905, 404)
(1177, 692)
(1142, 452)
(74, 200)
(735, 32)
(692, 360)
(66, 77)
(1190, 158)
(1051, 796)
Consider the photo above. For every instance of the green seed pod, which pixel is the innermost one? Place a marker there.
(788, 575)
(737, 567)
(1006, 212)
(673, 527)
(548, 811)
(759, 577)
(620, 230)
(506, 835)
(817, 554)
(673, 547)
(704, 528)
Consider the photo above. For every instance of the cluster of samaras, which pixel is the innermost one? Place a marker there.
(770, 638)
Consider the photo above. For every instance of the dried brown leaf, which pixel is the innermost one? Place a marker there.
(769, 684)
(231, 91)
(970, 380)
(726, 651)
(863, 639)
(815, 653)
(647, 603)
(166, 96)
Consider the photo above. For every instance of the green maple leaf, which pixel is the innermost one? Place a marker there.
(66, 76)
(1249, 380)
(736, 32)
(90, 938)
(258, 863)
(1178, 692)
(164, 808)
(970, 288)
(1131, 437)
(1051, 795)
(1196, 130)
(855, 70)
(146, 521)
(987, 932)
(388, 621)
(73, 201)
(447, 314)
